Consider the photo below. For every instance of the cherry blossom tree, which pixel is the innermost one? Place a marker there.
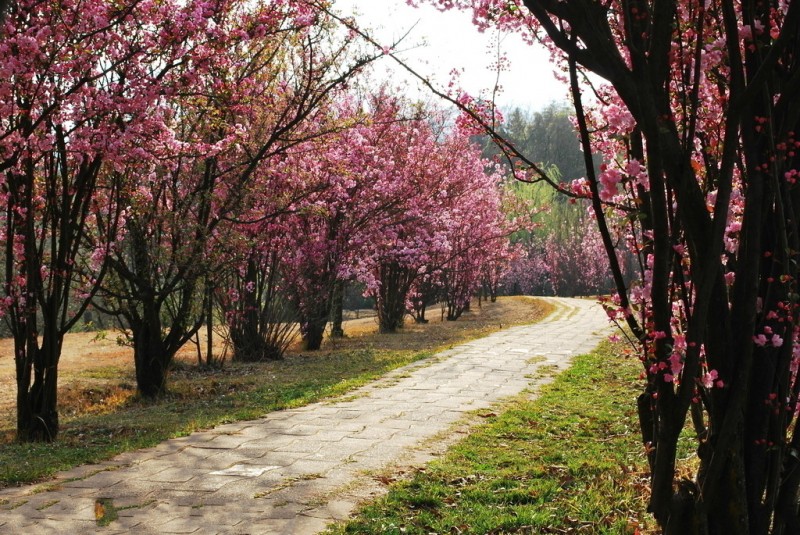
(78, 88)
(323, 231)
(252, 297)
(561, 250)
(477, 232)
(439, 183)
(329, 228)
(697, 126)
(403, 240)
(260, 85)
(122, 146)
(426, 291)
(573, 251)
(361, 184)
(576, 262)
(282, 263)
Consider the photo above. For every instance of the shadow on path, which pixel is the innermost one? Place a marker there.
(297, 470)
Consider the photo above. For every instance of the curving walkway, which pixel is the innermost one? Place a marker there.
(295, 471)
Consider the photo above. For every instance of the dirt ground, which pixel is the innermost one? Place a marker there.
(86, 351)
(81, 351)
(97, 356)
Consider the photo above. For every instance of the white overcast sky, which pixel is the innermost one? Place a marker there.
(447, 41)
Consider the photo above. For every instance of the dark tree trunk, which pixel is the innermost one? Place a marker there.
(208, 305)
(162, 314)
(419, 313)
(395, 282)
(50, 243)
(427, 292)
(337, 310)
(453, 312)
(456, 307)
(247, 344)
(250, 345)
(313, 326)
(37, 410)
(244, 331)
(151, 357)
(261, 322)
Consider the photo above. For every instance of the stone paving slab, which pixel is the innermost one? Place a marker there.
(295, 471)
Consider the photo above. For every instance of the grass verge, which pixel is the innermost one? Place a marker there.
(101, 416)
(569, 461)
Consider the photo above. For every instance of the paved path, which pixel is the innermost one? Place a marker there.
(295, 471)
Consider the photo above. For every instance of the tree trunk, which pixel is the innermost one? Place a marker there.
(395, 282)
(260, 322)
(244, 328)
(151, 358)
(391, 312)
(314, 319)
(337, 310)
(209, 308)
(419, 313)
(249, 345)
(313, 328)
(454, 311)
(37, 408)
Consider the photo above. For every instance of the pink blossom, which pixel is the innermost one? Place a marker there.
(676, 363)
(709, 378)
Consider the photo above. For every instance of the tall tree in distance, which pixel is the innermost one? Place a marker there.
(560, 251)
(546, 136)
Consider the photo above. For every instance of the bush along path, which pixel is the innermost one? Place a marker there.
(297, 470)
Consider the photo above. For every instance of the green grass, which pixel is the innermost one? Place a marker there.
(568, 462)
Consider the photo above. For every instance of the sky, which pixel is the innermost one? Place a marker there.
(440, 42)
